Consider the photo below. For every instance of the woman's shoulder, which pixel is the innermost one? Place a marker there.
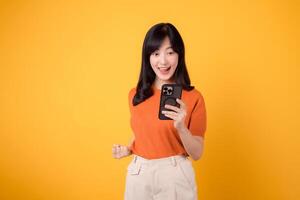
(193, 98)
(195, 93)
(132, 92)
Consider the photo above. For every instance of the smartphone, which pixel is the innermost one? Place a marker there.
(169, 94)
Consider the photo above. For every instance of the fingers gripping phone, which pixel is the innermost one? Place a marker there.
(169, 94)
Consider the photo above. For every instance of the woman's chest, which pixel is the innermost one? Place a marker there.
(146, 114)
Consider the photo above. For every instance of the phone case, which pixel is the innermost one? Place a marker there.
(168, 95)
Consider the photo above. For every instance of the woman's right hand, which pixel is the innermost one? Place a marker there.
(120, 151)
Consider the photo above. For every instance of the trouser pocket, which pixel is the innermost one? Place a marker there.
(187, 171)
(134, 168)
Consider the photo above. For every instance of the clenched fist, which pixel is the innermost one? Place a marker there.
(120, 151)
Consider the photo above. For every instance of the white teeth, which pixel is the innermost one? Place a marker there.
(164, 68)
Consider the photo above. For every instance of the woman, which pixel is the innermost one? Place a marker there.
(160, 168)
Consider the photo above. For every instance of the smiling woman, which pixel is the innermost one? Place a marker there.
(161, 168)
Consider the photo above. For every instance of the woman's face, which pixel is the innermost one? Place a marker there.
(164, 61)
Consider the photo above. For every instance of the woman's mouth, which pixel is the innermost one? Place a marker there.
(164, 70)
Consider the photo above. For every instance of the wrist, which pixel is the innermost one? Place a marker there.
(182, 129)
(129, 150)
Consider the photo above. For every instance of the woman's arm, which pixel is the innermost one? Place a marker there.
(130, 144)
(192, 144)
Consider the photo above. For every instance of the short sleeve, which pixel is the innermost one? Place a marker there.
(197, 125)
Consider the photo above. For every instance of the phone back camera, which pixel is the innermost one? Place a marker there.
(168, 90)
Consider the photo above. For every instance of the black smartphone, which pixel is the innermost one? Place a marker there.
(169, 94)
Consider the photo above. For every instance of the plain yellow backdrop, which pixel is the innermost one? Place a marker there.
(66, 68)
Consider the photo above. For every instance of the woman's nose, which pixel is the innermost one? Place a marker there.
(163, 59)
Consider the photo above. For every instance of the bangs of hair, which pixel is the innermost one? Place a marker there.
(155, 40)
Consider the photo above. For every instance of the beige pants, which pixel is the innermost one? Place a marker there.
(170, 178)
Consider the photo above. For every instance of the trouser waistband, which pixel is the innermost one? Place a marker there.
(167, 160)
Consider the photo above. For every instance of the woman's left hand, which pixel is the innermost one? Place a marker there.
(177, 114)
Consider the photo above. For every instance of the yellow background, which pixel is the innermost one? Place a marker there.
(66, 68)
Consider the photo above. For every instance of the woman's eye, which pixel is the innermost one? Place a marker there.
(156, 54)
(171, 53)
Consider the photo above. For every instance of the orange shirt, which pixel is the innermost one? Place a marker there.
(155, 138)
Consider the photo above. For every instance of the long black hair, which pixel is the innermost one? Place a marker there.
(152, 42)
